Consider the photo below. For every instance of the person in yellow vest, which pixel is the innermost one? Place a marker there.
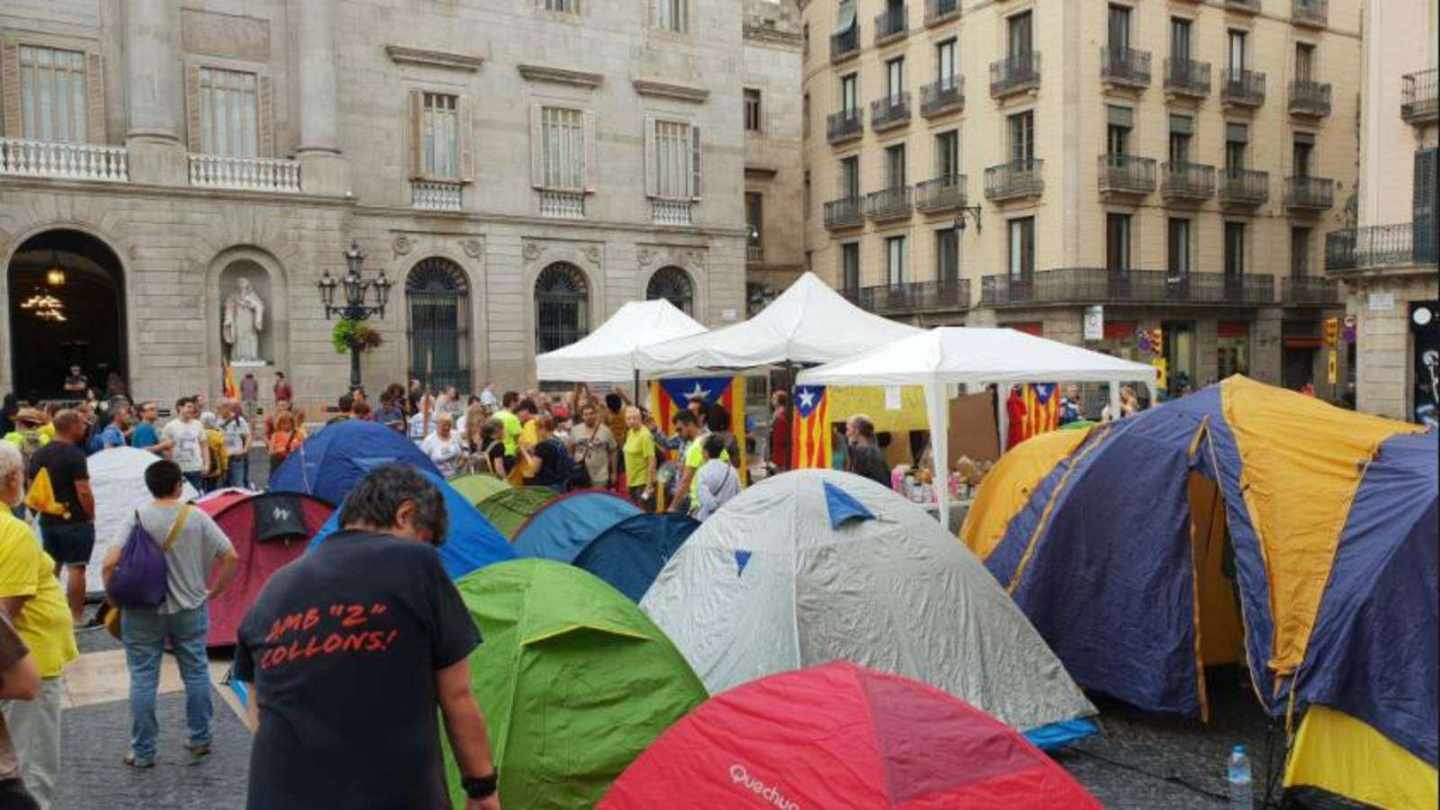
(219, 459)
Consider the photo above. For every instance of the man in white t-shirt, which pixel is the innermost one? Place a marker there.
(188, 446)
(236, 430)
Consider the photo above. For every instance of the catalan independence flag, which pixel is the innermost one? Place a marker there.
(669, 397)
(1042, 408)
(810, 445)
(227, 382)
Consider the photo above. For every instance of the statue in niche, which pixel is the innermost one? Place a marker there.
(243, 322)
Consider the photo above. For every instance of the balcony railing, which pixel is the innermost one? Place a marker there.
(1380, 246)
(672, 212)
(891, 24)
(64, 161)
(1310, 12)
(1187, 182)
(1125, 66)
(437, 195)
(913, 297)
(942, 96)
(941, 194)
(754, 253)
(843, 46)
(562, 204)
(1015, 74)
(1309, 98)
(1018, 178)
(1187, 77)
(888, 204)
(843, 213)
(1076, 285)
(1420, 97)
(246, 174)
(1309, 193)
(890, 111)
(939, 11)
(845, 125)
(1248, 6)
(1243, 87)
(1311, 291)
(1126, 174)
(1244, 188)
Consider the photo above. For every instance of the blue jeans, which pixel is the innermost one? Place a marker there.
(238, 473)
(144, 631)
(196, 480)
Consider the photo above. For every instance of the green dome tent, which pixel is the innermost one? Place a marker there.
(478, 486)
(574, 680)
(508, 509)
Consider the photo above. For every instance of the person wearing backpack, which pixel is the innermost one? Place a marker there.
(192, 546)
(28, 439)
(555, 469)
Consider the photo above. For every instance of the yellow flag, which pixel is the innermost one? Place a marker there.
(41, 497)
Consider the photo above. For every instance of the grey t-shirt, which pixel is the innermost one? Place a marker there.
(190, 558)
(593, 449)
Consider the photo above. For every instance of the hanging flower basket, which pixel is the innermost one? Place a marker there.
(351, 335)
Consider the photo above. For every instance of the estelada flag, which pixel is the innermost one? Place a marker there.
(227, 382)
(670, 396)
(1042, 408)
(810, 445)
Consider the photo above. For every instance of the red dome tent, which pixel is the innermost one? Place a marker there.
(840, 735)
(268, 530)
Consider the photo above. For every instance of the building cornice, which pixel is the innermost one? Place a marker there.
(554, 75)
(678, 92)
(773, 36)
(402, 55)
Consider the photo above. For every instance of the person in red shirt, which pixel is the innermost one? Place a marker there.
(1015, 410)
(780, 432)
(283, 392)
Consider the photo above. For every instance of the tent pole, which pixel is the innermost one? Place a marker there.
(1115, 399)
(939, 448)
(637, 387)
(1002, 415)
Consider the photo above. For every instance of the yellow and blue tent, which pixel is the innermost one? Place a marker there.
(1242, 523)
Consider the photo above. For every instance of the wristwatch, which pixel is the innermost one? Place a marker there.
(481, 787)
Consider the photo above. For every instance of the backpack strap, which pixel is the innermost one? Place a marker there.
(176, 528)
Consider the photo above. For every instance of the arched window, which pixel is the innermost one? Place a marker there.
(437, 305)
(675, 286)
(562, 307)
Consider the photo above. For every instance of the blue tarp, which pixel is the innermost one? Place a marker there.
(330, 463)
(630, 554)
(562, 528)
(470, 544)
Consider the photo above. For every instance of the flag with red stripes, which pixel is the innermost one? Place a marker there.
(810, 445)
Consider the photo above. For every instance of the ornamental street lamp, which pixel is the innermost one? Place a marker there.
(972, 210)
(358, 291)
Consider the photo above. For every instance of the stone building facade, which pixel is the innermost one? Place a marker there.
(1175, 164)
(1388, 263)
(517, 170)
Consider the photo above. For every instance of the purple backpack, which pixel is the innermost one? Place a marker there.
(141, 577)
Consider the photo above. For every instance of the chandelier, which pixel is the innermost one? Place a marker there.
(44, 306)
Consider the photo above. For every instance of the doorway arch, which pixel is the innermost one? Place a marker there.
(437, 325)
(66, 307)
(674, 285)
(562, 307)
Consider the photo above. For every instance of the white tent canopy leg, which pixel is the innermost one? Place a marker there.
(938, 414)
(1115, 399)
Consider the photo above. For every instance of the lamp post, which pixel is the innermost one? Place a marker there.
(357, 291)
(972, 210)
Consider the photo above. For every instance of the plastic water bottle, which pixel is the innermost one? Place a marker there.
(1237, 773)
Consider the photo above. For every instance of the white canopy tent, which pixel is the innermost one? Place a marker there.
(958, 355)
(809, 323)
(609, 353)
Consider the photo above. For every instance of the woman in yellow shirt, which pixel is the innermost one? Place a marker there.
(639, 460)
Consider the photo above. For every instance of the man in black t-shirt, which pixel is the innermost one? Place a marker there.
(69, 538)
(864, 457)
(351, 649)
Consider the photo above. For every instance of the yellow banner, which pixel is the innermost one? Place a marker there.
(847, 400)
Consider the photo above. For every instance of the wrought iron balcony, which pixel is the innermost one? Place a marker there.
(1381, 246)
(1125, 66)
(1305, 193)
(892, 24)
(913, 297)
(1244, 188)
(846, 45)
(1187, 182)
(939, 11)
(1245, 88)
(846, 125)
(1247, 6)
(1309, 291)
(1420, 97)
(1015, 74)
(1014, 180)
(1310, 98)
(1313, 13)
(843, 213)
(1126, 175)
(944, 95)
(941, 194)
(754, 253)
(888, 204)
(1187, 77)
(1098, 285)
(890, 111)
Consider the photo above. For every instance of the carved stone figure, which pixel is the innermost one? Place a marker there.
(243, 322)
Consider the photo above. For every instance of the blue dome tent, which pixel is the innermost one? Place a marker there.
(332, 461)
(561, 528)
(630, 554)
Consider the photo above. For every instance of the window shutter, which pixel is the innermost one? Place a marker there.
(192, 108)
(465, 121)
(265, 116)
(652, 183)
(695, 173)
(417, 148)
(94, 98)
(10, 85)
(537, 146)
(592, 152)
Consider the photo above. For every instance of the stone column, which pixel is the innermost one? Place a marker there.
(322, 169)
(154, 81)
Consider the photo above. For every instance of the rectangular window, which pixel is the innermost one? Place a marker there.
(1019, 38)
(1181, 127)
(1179, 39)
(945, 65)
(1119, 28)
(1022, 137)
(1237, 55)
(1234, 251)
(1302, 151)
(1299, 252)
(1022, 248)
(53, 99)
(850, 178)
(562, 134)
(567, 6)
(752, 109)
(894, 78)
(1304, 62)
(947, 256)
(807, 192)
(895, 166)
(754, 217)
(1117, 242)
(1237, 137)
(805, 116)
(895, 260)
(1117, 133)
(440, 135)
(672, 15)
(1178, 248)
(849, 93)
(850, 267)
(676, 160)
(947, 154)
